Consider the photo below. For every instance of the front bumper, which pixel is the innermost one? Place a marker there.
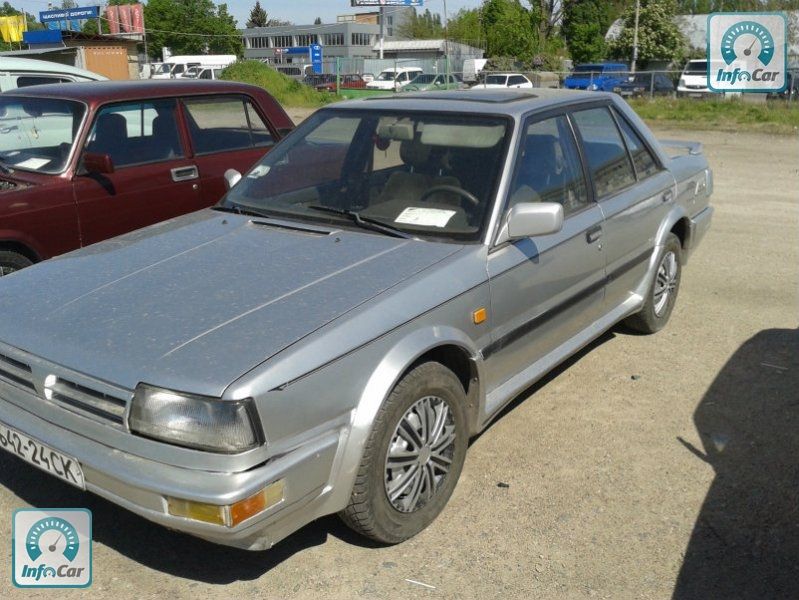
(141, 485)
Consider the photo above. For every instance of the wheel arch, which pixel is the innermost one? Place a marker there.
(446, 345)
(21, 246)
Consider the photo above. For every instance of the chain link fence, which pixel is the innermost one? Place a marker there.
(359, 77)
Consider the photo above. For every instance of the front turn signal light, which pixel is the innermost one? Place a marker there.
(228, 515)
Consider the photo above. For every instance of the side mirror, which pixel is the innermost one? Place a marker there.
(232, 177)
(530, 219)
(94, 162)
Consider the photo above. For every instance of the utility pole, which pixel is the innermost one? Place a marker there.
(446, 41)
(635, 35)
(382, 29)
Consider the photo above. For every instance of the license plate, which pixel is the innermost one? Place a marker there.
(626, 93)
(695, 95)
(39, 455)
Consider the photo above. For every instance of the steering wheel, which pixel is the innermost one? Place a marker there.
(453, 189)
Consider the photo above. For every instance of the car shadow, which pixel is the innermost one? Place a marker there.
(161, 549)
(745, 543)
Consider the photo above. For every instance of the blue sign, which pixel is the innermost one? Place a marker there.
(316, 58)
(69, 14)
(294, 50)
(41, 36)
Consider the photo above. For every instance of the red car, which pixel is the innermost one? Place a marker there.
(348, 82)
(82, 162)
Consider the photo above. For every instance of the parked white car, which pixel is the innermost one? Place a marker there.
(504, 80)
(394, 79)
(24, 72)
(693, 80)
(176, 66)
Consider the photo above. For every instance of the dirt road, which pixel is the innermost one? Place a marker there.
(642, 457)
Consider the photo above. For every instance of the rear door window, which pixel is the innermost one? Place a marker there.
(607, 156)
(225, 123)
(645, 164)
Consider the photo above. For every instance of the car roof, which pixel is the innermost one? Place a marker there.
(105, 91)
(31, 65)
(515, 102)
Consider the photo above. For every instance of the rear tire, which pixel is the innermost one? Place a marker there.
(413, 457)
(662, 293)
(12, 261)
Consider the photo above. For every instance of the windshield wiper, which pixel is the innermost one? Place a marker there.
(235, 208)
(363, 222)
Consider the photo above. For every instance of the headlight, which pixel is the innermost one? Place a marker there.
(593, 87)
(194, 421)
(682, 82)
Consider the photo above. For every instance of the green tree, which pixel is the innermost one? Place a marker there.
(659, 38)
(510, 29)
(466, 27)
(584, 25)
(426, 26)
(191, 27)
(317, 21)
(258, 16)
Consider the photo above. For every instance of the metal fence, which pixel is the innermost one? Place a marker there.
(628, 84)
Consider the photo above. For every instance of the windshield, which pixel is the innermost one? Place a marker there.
(496, 79)
(163, 69)
(426, 174)
(588, 69)
(386, 76)
(37, 134)
(423, 79)
(696, 68)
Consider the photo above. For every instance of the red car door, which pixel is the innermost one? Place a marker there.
(226, 132)
(152, 179)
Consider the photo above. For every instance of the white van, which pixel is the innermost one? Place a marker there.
(23, 72)
(394, 79)
(175, 66)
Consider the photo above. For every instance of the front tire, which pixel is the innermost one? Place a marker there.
(12, 261)
(662, 295)
(413, 457)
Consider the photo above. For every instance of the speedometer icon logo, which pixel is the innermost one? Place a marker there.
(756, 39)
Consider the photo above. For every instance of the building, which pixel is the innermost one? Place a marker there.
(352, 38)
(428, 50)
(113, 57)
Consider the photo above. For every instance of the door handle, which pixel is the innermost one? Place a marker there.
(667, 196)
(185, 173)
(593, 234)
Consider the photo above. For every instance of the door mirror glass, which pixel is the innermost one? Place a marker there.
(95, 162)
(530, 219)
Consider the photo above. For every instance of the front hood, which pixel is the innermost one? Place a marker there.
(194, 303)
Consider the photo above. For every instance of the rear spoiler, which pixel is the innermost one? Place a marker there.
(693, 148)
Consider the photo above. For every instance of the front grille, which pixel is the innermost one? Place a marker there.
(75, 396)
(16, 372)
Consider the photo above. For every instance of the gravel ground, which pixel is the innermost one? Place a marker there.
(647, 467)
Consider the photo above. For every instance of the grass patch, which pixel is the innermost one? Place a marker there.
(287, 91)
(726, 115)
